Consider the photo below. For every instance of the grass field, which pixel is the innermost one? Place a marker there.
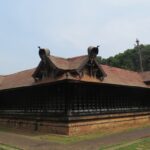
(142, 144)
(7, 147)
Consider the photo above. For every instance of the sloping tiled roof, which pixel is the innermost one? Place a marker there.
(59, 62)
(19, 79)
(146, 76)
(68, 64)
(122, 77)
(1, 79)
(114, 75)
(76, 62)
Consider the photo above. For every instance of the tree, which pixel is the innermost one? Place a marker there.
(129, 59)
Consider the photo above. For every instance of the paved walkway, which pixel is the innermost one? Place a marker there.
(27, 143)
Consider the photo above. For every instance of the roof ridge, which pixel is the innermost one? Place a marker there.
(69, 58)
(77, 57)
(57, 57)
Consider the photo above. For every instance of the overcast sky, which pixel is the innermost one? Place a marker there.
(67, 28)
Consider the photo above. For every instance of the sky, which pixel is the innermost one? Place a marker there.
(68, 28)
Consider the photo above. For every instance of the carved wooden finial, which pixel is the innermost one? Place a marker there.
(43, 52)
(93, 51)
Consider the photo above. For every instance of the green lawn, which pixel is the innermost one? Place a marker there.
(7, 147)
(142, 144)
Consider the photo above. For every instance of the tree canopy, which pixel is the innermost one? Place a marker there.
(129, 59)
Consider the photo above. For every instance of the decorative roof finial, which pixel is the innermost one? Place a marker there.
(93, 51)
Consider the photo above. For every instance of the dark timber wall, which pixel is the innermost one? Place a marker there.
(60, 100)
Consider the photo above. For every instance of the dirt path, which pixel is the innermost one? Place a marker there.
(27, 143)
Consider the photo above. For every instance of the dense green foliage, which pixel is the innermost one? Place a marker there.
(130, 59)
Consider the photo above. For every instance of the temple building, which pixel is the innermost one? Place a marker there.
(74, 95)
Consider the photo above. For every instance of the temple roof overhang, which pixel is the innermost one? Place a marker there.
(115, 76)
(82, 68)
(146, 76)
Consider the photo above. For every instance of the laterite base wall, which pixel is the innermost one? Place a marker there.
(107, 124)
(33, 126)
(85, 125)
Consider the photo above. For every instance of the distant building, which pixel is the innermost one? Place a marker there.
(73, 95)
